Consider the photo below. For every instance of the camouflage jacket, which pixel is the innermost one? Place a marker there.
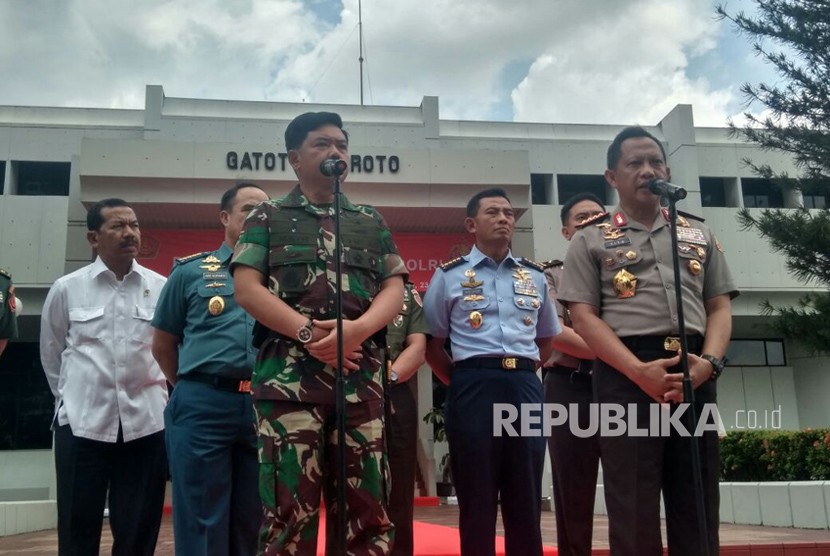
(291, 242)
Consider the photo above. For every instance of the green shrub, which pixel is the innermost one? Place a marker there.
(764, 455)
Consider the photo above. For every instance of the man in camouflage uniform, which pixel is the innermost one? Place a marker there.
(406, 338)
(8, 319)
(283, 271)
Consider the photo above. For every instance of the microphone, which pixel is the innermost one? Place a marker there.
(666, 189)
(333, 167)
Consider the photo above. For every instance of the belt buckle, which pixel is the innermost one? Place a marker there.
(509, 363)
(671, 343)
(245, 386)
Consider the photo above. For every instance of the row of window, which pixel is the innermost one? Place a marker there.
(52, 178)
(36, 178)
(714, 192)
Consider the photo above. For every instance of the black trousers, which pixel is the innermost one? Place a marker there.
(489, 470)
(574, 461)
(135, 474)
(401, 446)
(637, 468)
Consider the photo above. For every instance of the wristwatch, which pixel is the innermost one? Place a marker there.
(717, 365)
(393, 376)
(305, 332)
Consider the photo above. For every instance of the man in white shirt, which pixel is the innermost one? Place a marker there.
(95, 346)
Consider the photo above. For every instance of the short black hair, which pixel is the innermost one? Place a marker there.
(229, 196)
(632, 132)
(472, 206)
(298, 129)
(94, 220)
(578, 198)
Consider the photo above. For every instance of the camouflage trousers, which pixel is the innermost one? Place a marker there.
(297, 444)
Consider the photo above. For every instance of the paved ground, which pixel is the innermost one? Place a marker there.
(44, 543)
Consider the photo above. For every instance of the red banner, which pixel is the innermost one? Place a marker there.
(421, 252)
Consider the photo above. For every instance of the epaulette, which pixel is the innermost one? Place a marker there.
(552, 263)
(187, 259)
(692, 216)
(593, 219)
(532, 264)
(5, 273)
(451, 263)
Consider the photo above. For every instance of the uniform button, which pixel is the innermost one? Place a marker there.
(668, 286)
(659, 260)
(674, 318)
(501, 299)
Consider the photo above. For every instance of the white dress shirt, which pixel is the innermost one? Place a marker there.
(95, 346)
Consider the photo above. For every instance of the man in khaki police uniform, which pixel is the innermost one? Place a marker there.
(618, 285)
(567, 379)
(406, 338)
(8, 318)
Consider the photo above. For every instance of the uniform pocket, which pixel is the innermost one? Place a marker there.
(87, 324)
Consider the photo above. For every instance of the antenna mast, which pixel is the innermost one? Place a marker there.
(360, 39)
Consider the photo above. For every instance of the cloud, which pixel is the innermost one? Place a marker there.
(625, 69)
(602, 61)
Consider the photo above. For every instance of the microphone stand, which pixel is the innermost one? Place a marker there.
(688, 390)
(340, 383)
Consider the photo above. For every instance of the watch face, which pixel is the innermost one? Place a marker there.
(304, 334)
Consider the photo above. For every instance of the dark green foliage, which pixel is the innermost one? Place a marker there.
(794, 36)
(755, 456)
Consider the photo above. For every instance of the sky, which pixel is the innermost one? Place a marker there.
(557, 61)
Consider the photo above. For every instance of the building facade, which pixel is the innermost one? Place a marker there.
(173, 159)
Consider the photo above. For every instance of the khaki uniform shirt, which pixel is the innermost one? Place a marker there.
(625, 270)
(410, 320)
(553, 277)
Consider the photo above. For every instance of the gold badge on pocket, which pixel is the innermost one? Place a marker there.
(476, 319)
(625, 284)
(694, 267)
(216, 305)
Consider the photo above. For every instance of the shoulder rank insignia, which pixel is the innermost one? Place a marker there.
(187, 259)
(451, 263)
(593, 219)
(552, 263)
(692, 216)
(532, 264)
(5, 273)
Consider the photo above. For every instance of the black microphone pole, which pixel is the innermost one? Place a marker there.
(688, 389)
(340, 383)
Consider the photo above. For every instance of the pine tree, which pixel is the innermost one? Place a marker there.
(794, 36)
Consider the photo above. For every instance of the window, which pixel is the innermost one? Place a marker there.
(756, 353)
(571, 184)
(2, 176)
(26, 403)
(42, 178)
(541, 189)
(815, 201)
(761, 193)
(713, 192)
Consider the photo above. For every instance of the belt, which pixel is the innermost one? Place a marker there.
(573, 373)
(662, 343)
(219, 382)
(504, 363)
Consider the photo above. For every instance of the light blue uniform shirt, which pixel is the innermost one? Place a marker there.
(216, 344)
(511, 299)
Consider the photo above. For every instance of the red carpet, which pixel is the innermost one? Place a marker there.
(430, 540)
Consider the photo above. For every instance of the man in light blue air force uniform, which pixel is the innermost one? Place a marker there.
(495, 310)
